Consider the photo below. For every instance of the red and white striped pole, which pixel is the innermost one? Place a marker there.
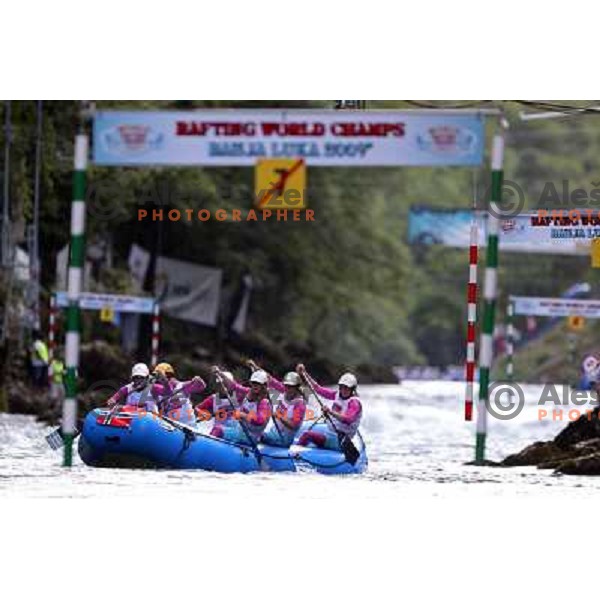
(155, 335)
(51, 332)
(471, 318)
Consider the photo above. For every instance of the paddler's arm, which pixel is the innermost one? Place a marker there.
(353, 412)
(231, 385)
(118, 397)
(159, 389)
(240, 390)
(275, 384)
(298, 416)
(194, 386)
(322, 391)
(206, 405)
(204, 410)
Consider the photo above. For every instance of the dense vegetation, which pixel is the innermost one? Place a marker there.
(346, 287)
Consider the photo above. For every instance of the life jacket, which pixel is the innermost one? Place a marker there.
(57, 369)
(40, 353)
(180, 401)
(140, 398)
(136, 397)
(287, 409)
(222, 410)
(340, 405)
(255, 430)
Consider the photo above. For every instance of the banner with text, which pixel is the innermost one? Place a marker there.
(117, 303)
(323, 138)
(521, 233)
(188, 291)
(555, 307)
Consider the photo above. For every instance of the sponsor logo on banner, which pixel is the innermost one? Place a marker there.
(556, 307)
(132, 139)
(447, 140)
(508, 225)
(527, 232)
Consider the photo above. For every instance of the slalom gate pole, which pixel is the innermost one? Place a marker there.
(471, 319)
(510, 340)
(75, 278)
(51, 332)
(489, 297)
(155, 334)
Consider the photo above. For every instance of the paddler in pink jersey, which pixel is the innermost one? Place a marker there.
(288, 412)
(137, 392)
(345, 411)
(254, 411)
(173, 396)
(221, 406)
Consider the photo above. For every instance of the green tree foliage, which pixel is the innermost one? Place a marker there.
(348, 284)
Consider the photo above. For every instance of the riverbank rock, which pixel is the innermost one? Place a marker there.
(536, 454)
(574, 451)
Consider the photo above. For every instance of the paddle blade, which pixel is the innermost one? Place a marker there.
(349, 449)
(55, 440)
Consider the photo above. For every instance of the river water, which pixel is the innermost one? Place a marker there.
(418, 444)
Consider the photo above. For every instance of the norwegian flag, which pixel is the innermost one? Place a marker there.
(117, 419)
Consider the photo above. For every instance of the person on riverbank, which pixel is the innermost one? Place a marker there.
(344, 411)
(38, 357)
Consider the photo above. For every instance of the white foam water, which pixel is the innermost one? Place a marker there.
(418, 443)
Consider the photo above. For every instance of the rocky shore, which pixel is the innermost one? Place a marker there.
(574, 451)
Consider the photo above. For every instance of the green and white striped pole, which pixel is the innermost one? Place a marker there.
(510, 340)
(75, 278)
(489, 297)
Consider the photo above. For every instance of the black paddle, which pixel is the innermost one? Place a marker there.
(348, 448)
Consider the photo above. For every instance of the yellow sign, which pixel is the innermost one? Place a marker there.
(280, 183)
(596, 253)
(576, 323)
(107, 314)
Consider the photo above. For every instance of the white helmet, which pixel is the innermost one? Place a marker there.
(292, 378)
(591, 367)
(348, 380)
(590, 364)
(228, 375)
(140, 370)
(259, 377)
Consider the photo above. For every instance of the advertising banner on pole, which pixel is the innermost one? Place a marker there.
(556, 307)
(240, 137)
(521, 233)
(113, 302)
(188, 291)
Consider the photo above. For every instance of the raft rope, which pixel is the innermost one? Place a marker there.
(245, 448)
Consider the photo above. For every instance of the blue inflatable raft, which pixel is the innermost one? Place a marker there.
(143, 440)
